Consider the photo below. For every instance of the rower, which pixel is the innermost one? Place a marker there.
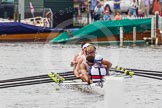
(85, 68)
(99, 70)
(79, 55)
(94, 69)
(88, 51)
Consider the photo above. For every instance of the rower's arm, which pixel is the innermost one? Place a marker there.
(74, 60)
(84, 74)
(83, 68)
(75, 57)
(76, 71)
(107, 63)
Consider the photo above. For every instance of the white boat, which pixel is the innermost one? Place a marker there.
(37, 21)
(78, 85)
(94, 88)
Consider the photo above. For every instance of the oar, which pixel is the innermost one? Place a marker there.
(145, 70)
(27, 83)
(35, 77)
(149, 76)
(139, 70)
(24, 83)
(25, 78)
(145, 73)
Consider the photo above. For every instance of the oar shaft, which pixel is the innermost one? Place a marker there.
(35, 77)
(7, 85)
(24, 84)
(145, 74)
(153, 74)
(25, 78)
(140, 70)
(149, 76)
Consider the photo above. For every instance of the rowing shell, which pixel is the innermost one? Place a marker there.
(94, 88)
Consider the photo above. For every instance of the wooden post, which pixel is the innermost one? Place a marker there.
(21, 8)
(134, 36)
(153, 29)
(121, 36)
(160, 23)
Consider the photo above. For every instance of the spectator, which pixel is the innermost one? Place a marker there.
(151, 7)
(47, 22)
(161, 5)
(156, 7)
(130, 16)
(144, 7)
(116, 6)
(93, 4)
(133, 8)
(98, 11)
(140, 13)
(118, 16)
(106, 16)
(107, 8)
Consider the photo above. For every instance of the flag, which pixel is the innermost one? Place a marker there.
(31, 8)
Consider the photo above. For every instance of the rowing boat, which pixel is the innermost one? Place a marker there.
(95, 88)
(68, 78)
(77, 84)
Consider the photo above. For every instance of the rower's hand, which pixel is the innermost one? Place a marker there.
(71, 64)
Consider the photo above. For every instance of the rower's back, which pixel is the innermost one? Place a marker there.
(98, 70)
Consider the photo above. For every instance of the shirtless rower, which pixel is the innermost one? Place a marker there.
(89, 50)
(76, 57)
(80, 54)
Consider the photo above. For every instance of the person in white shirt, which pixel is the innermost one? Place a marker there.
(133, 8)
(98, 12)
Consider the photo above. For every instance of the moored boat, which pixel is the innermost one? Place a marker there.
(108, 32)
(15, 31)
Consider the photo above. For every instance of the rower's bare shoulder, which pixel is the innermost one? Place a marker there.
(80, 60)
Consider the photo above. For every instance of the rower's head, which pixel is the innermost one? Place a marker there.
(90, 50)
(98, 59)
(90, 60)
(82, 44)
(84, 47)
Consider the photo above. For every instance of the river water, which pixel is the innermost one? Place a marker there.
(29, 59)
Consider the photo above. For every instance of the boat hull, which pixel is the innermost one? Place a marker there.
(14, 31)
(32, 37)
(84, 87)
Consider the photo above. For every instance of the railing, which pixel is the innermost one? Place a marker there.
(160, 24)
(156, 22)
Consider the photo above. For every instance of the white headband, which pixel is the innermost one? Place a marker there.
(86, 45)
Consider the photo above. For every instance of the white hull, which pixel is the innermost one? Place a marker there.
(84, 87)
